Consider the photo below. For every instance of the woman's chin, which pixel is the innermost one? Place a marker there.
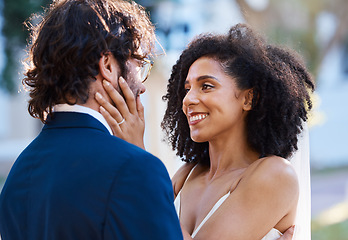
(198, 139)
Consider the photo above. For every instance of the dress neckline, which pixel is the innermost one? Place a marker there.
(177, 203)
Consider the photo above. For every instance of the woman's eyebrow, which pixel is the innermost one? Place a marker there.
(203, 77)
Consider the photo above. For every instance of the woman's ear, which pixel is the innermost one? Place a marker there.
(108, 67)
(248, 99)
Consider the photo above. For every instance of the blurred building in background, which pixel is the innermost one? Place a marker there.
(329, 135)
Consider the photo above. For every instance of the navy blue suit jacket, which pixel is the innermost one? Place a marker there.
(76, 181)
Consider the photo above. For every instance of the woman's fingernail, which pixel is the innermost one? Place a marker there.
(106, 83)
(122, 80)
(102, 109)
(292, 228)
(98, 95)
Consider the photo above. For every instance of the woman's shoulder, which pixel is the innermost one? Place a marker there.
(272, 166)
(274, 173)
(271, 184)
(180, 176)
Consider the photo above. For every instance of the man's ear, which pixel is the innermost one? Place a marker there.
(108, 67)
(248, 99)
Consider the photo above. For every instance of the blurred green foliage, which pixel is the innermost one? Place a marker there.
(338, 231)
(15, 13)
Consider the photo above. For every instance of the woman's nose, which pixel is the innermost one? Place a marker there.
(190, 98)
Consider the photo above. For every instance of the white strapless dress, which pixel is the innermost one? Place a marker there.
(271, 235)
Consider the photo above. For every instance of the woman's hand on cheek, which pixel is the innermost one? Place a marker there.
(126, 118)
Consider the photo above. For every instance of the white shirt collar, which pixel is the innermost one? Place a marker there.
(81, 109)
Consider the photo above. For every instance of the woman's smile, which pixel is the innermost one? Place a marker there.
(196, 118)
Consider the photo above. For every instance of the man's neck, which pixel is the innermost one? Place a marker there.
(91, 104)
(82, 109)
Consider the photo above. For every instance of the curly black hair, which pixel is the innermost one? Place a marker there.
(67, 43)
(281, 92)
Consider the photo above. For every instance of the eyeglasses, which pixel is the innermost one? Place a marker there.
(145, 69)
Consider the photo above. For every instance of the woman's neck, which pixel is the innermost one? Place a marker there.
(230, 153)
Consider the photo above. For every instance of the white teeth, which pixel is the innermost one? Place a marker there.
(198, 117)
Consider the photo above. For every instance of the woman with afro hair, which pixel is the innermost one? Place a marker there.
(235, 109)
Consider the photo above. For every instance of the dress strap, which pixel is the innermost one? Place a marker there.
(212, 211)
(188, 176)
(177, 201)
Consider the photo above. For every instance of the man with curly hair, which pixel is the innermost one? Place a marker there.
(76, 180)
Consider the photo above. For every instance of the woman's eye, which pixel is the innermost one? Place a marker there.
(187, 90)
(207, 86)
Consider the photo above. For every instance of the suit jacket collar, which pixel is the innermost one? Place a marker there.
(73, 120)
